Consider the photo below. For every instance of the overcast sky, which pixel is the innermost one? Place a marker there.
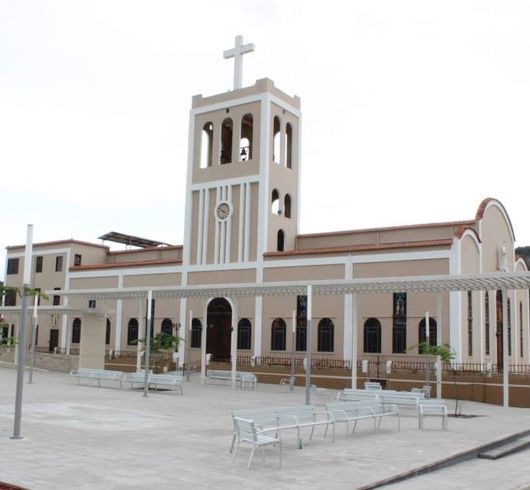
(413, 111)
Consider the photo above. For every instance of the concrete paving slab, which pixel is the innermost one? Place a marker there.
(87, 437)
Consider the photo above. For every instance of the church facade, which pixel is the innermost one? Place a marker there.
(242, 227)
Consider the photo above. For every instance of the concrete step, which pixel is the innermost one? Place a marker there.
(506, 449)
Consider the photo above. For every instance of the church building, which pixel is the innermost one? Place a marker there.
(243, 205)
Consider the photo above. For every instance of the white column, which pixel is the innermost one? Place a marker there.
(148, 341)
(233, 344)
(355, 326)
(141, 335)
(241, 224)
(64, 331)
(118, 326)
(119, 318)
(246, 244)
(482, 317)
(200, 227)
(68, 334)
(183, 332)
(439, 343)
(455, 322)
(204, 333)
(309, 345)
(505, 365)
(258, 325)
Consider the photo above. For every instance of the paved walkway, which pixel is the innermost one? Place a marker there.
(84, 437)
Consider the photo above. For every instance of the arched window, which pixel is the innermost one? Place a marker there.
(196, 332)
(287, 206)
(76, 331)
(275, 202)
(276, 140)
(288, 146)
(226, 141)
(244, 334)
(245, 143)
(280, 241)
(206, 145)
(132, 331)
(326, 335)
(278, 334)
(422, 338)
(372, 336)
(167, 326)
(107, 332)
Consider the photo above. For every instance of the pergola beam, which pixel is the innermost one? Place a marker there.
(430, 284)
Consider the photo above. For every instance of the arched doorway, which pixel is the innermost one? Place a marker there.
(219, 319)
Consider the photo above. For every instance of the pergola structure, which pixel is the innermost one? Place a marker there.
(503, 281)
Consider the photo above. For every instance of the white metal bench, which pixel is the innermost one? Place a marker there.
(242, 378)
(432, 408)
(98, 375)
(247, 431)
(372, 385)
(166, 380)
(358, 395)
(155, 380)
(276, 419)
(81, 373)
(401, 398)
(346, 412)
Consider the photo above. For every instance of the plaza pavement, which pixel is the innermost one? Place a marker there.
(84, 437)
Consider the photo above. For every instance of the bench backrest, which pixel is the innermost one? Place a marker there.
(273, 415)
(136, 377)
(81, 372)
(432, 407)
(170, 378)
(372, 385)
(402, 398)
(228, 374)
(351, 395)
(245, 428)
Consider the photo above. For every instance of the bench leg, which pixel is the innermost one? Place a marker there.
(251, 456)
(236, 451)
(233, 442)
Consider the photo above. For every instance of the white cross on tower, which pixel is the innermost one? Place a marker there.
(237, 53)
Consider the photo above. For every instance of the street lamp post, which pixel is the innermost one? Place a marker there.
(21, 348)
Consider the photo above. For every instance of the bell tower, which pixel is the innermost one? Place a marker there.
(242, 190)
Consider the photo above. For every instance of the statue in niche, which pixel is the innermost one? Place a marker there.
(503, 257)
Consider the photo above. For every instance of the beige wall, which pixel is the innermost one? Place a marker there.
(146, 280)
(401, 268)
(307, 273)
(494, 231)
(222, 277)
